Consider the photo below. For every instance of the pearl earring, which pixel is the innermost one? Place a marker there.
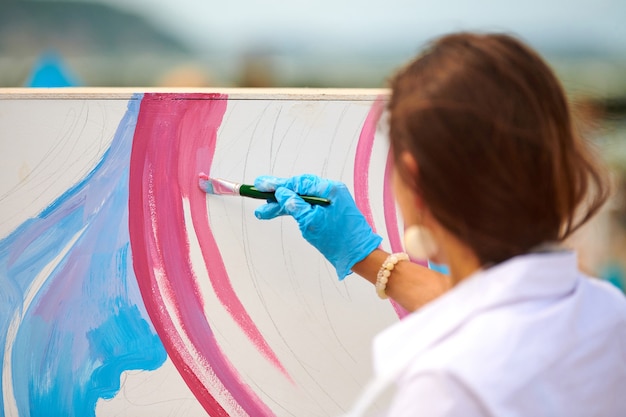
(419, 242)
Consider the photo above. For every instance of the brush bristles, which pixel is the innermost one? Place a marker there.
(217, 186)
(206, 186)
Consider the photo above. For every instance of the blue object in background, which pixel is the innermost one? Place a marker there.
(50, 71)
(442, 268)
(615, 274)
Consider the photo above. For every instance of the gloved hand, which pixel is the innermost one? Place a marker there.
(339, 231)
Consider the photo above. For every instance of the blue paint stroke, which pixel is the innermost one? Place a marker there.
(87, 323)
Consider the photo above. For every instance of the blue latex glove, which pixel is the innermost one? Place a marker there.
(339, 231)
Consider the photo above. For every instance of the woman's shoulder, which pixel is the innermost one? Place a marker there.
(536, 327)
(531, 347)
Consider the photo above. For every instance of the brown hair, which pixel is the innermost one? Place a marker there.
(500, 165)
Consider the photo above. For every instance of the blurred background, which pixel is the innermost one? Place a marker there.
(327, 43)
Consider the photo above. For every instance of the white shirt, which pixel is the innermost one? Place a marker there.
(529, 337)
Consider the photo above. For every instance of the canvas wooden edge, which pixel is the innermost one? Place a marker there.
(108, 93)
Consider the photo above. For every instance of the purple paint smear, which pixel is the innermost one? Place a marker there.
(86, 323)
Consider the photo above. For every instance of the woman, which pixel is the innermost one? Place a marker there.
(490, 178)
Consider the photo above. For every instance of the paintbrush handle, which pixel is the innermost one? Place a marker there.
(250, 191)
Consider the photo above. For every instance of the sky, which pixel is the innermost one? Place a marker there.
(363, 24)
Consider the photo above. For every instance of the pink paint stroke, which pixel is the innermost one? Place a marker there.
(197, 150)
(389, 207)
(160, 245)
(391, 218)
(362, 160)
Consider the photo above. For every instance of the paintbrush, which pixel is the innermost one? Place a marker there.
(219, 186)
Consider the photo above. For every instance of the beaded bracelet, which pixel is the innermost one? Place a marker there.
(385, 272)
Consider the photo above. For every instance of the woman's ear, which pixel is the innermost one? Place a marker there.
(409, 163)
(412, 168)
(409, 201)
